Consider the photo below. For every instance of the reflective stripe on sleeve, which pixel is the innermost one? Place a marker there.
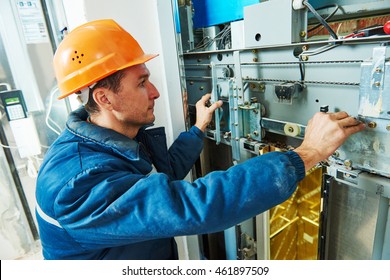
(46, 218)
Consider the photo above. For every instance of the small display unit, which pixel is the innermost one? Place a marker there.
(14, 104)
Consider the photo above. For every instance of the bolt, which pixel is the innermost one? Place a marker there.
(304, 58)
(378, 70)
(371, 124)
(378, 84)
(255, 59)
(256, 133)
(201, 88)
(191, 83)
(305, 48)
(336, 154)
(348, 163)
(290, 129)
(388, 127)
(302, 33)
(254, 51)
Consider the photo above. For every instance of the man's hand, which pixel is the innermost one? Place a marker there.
(324, 133)
(204, 114)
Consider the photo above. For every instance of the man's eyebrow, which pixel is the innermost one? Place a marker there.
(144, 76)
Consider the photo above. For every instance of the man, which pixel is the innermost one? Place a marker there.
(110, 189)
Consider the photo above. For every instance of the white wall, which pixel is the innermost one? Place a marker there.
(151, 23)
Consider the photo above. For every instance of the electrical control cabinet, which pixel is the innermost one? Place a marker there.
(270, 91)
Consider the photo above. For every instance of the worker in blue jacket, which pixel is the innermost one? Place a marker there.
(110, 189)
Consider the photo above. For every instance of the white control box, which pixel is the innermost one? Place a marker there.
(26, 137)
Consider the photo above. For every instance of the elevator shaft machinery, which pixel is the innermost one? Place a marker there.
(269, 93)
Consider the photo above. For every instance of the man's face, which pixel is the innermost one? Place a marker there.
(133, 105)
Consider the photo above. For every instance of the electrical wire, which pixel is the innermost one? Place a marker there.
(320, 19)
(328, 17)
(312, 53)
(47, 119)
(219, 38)
(8, 147)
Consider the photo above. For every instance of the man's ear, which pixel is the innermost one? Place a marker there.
(100, 97)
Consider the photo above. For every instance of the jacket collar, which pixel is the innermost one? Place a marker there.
(77, 124)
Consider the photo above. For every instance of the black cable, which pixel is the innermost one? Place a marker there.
(328, 17)
(302, 70)
(320, 19)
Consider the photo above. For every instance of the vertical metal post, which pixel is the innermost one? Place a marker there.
(18, 184)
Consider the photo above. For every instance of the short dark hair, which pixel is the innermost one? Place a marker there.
(112, 82)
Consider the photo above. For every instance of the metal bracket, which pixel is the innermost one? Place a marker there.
(374, 98)
(234, 119)
(214, 98)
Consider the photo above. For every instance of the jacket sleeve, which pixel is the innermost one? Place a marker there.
(184, 152)
(125, 208)
(178, 160)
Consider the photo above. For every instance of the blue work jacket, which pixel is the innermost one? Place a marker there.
(98, 199)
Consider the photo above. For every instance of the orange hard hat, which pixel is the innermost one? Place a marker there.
(92, 52)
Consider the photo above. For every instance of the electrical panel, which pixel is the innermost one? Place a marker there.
(273, 75)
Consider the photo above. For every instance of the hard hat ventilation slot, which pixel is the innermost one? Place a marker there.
(77, 57)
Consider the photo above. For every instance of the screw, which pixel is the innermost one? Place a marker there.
(302, 33)
(255, 59)
(378, 84)
(378, 70)
(255, 133)
(371, 124)
(388, 127)
(305, 58)
(348, 163)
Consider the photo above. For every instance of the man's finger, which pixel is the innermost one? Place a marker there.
(216, 105)
(340, 115)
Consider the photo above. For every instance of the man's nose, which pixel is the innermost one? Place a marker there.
(153, 92)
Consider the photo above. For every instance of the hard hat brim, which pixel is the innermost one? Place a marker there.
(140, 60)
